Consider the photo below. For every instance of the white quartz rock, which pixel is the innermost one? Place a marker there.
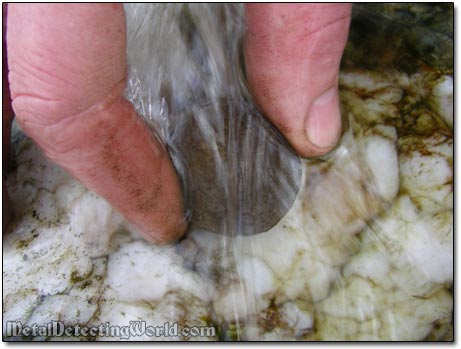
(50, 252)
(298, 267)
(372, 97)
(142, 271)
(362, 177)
(44, 262)
(372, 264)
(429, 249)
(427, 172)
(34, 176)
(366, 82)
(33, 166)
(234, 304)
(442, 97)
(120, 314)
(178, 309)
(77, 306)
(18, 306)
(256, 276)
(301, 321)
(381, 158)
(92, 223)
(415, 248)
(53, 243)
(427, 252)
(357, 309)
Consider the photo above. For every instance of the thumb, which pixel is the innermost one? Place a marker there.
(292, 57)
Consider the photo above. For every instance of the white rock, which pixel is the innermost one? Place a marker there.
(87, 216)
(143, 272)
(428, 178)
(442, 96)
(381, 158)
(371, 264)
(426, 253)
(256, 276)
(299, 320)
(234, 303)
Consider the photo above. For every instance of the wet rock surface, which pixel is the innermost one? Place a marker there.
(365, 251)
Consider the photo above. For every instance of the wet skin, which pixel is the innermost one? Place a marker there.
(67, 74)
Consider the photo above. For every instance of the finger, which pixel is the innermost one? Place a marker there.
(67, 75)
(292, 57)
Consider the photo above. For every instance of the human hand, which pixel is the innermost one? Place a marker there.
(67, 74)
(292, 57)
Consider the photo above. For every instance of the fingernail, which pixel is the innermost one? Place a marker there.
(323, 122)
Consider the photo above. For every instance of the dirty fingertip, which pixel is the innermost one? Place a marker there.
(162, 236)
(323, 122)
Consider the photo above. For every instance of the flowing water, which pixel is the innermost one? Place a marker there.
(356, 245)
